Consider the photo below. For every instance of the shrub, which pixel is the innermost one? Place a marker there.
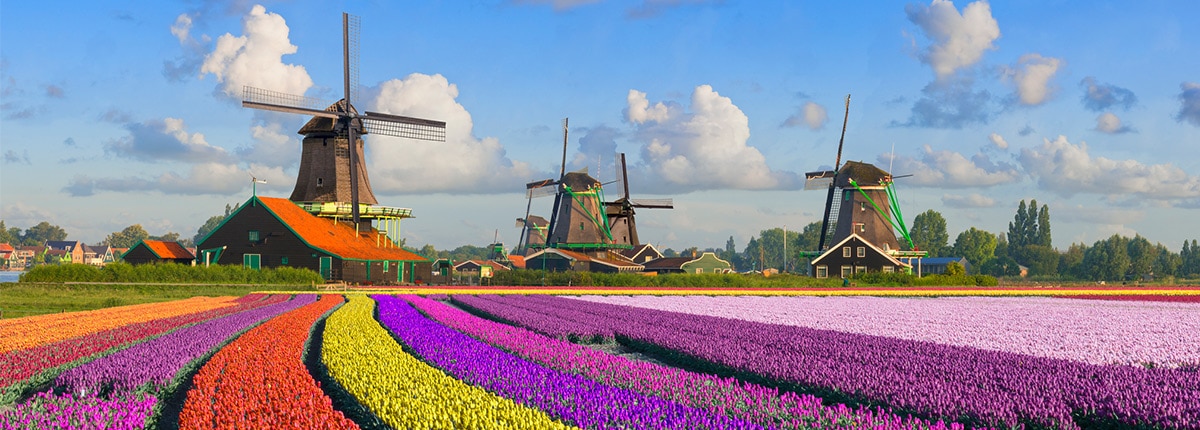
(170, 273)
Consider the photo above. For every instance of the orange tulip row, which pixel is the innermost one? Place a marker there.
(23, 333)
(260, 381)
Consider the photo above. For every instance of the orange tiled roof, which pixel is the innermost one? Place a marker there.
(518, 261)
(6, 247)
(333, 237)
(168, 250)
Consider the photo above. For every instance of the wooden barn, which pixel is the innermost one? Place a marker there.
(561, 260)
(275, 232)
(855, 255)
(158, 251)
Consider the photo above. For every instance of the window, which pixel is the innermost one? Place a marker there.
(862, 206)
(889, 269)
(254, 235)
(860, 269)
(822, 271)
(846, 271)
(320, 182)
(845, 251)
(699, 270)
(862, 251)
(385, 266)
(283, 261)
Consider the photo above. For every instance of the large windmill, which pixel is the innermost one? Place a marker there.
(331, 167)
(620, 212)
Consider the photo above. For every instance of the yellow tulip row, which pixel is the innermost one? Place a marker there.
(883, 291)
(405, 392)
(29, 332)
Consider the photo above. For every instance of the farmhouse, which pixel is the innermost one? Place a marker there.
(275, 232)
(158, 251)
(561, 260)
(855, 255)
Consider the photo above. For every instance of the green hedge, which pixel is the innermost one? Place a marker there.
(690, 280)
(897, 279)
(170, 273)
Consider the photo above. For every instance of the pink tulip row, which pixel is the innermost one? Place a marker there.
(726, 396)
(1143, 333)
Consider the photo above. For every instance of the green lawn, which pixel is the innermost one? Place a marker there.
(27, 299)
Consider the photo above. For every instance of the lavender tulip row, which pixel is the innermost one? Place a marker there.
(158, 361)
(761, 405)
(50, 411)
(929, 379)
(572, 398)
(1161, 334)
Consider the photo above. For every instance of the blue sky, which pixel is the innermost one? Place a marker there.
(115, 113)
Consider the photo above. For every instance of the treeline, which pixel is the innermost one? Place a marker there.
(171, 273)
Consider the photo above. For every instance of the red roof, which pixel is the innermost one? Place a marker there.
(518, 261)
(335, 237)
(168, 250)
(6, 247)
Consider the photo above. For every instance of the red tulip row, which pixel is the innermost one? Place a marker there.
(25, 363)
(260, 381)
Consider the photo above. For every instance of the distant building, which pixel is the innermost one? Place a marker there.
(6, 254)
(98, 255)
(937, 265)
(854, 255)
(707, 262)
(561, 260)
(642, 253)
(74, 250)
(158, 251)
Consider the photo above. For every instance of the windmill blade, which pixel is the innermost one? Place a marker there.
(818, 180)
(259, 98)
(403, 126)
(533, 193)
(351, 25)
(520, 222)
(653, 203)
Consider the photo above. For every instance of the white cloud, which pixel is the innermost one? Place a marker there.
(165, 139)
(463, 163)
(973, 200)
(1109, 123)
(255, 58)
(811, 115)
(1099, 96)
(959, 40)
(640, 111)
(182, 28)
(272, 146)
(998, 140)
(1032, 75)
(1097, 215)
(1068, 169)
(1189, 103)
(949, 169)
(203, 178)
(702, 149)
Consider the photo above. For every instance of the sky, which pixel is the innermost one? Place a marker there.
(118, 113)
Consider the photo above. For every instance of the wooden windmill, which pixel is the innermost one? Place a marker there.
(620, 212)
(331, 167)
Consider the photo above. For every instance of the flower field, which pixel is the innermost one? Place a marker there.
(482, 359)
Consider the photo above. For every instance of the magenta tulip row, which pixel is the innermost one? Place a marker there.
(1159, 334)
(928, 379)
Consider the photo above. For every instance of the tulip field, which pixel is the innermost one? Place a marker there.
(621, 359)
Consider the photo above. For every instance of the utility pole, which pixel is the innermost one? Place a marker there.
(785, 258)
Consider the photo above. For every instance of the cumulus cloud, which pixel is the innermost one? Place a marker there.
(256, 58)
(1068, 169)
(1031, 76)
(273, 145)
(182, 28)
(204, 178)
(640, 111)
(998, 141)
(463, 163)
(1097, 215)
(1109, 123)
(13, 157)
(958, 40)
(597, 150)
(115, 115)
(949, 169)
(705, 148)
(165, 139)
(969, 201)
(950, 104)
(811, 115)
(1099, 96)
(1189, 103)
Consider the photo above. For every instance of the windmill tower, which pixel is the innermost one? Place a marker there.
(620, 212)
(579, 220)
(533, 232)
(333, 181)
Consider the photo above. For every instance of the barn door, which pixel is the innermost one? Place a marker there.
(253, 261)
(326, 267)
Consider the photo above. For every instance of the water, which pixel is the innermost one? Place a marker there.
(7, 276)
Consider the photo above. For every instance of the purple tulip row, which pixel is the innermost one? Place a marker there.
(50, 411)
(157, 362)
(1161, 334)
(761, 405)
(571, 398)
(925, 378)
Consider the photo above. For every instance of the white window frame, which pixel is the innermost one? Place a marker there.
(862, 251)
(846, 251)
(847, 271)
(822, 271)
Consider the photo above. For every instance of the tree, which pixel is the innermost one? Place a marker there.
(43, 232)
(5, 235)
(208, 226)
(127, 238)
(955, 269)
(671, 253)
(1070, 262)
(976, 245)
(1141, 258)
(1107, 260)
(1016, 228)
(929, 233)
(1041, 260)
(428, 251)
(1167, 262)
(1043, 228)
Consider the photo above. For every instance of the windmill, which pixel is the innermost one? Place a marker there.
(620, 212)
(331, 169)
(859, 188)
